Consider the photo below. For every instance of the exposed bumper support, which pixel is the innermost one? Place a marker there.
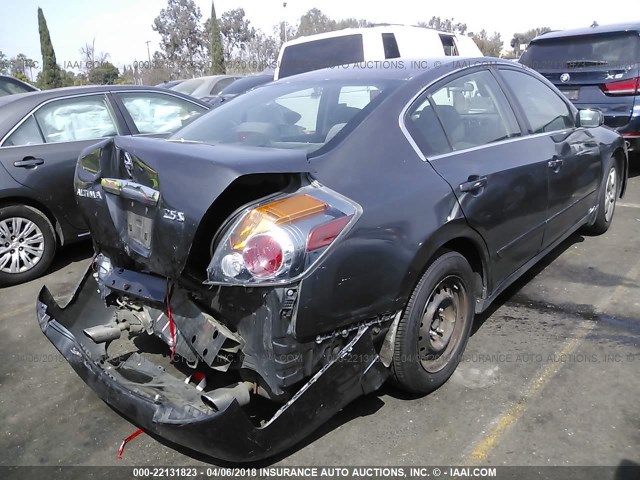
(163, 404)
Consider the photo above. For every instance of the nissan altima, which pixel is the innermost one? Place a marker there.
(294, 249)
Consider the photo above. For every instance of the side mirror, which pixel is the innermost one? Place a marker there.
(590, 118)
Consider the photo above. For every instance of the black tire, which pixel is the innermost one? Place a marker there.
(607, 198)
(421, 365)
(44, 249)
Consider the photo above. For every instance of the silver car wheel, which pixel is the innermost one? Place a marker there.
(21, 245)
(610, 194)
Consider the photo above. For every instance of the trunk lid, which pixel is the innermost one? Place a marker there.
(145, 198)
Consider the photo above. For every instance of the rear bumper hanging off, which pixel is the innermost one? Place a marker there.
(161, 403)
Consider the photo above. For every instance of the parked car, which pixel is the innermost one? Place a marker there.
(240, 86)
(356, 45)
(11, 86)
(41, 136)
(596, 67)
(204, 86)
(169, 84)
(340, 228)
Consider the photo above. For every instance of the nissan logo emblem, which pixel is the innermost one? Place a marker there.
(565, 77)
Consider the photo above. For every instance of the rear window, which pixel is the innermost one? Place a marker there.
(607, 51)
(288, 115)
(317, 54)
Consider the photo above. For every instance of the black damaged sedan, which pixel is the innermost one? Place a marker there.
(296, 248)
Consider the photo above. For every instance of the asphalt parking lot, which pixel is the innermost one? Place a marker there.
(550, 377)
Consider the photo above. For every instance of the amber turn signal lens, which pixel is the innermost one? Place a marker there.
(287, 210)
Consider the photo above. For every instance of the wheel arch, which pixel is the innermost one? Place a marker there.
(622, 161)
(458, 237)
(30, 202)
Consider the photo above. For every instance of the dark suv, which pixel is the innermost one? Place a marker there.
(595, 67)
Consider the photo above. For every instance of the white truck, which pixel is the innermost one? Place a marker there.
(357, 45)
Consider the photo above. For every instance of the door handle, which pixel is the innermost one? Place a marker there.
(28, 162)
(555, 164)
(474, 183)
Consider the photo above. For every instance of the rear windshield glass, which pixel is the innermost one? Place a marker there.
(289, 115)
(317, 54)
(607, 51)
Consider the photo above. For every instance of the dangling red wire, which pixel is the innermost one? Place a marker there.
(127, 440)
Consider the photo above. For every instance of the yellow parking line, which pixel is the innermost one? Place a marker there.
(490, 440)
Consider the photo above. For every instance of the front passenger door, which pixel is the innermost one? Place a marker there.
(573, 154)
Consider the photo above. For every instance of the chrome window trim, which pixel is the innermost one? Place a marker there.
(422, 156)
(501, 142)
(38, 107)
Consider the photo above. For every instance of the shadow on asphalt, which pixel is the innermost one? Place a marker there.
(71, 254)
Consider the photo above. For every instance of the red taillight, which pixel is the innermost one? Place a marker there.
(262, 256)
(324, 234)
(631, 86)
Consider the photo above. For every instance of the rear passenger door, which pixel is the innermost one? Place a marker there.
(469, 133)
(572, 153)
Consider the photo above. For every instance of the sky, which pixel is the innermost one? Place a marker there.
(121, 27)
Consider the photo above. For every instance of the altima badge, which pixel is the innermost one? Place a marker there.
(565, 77)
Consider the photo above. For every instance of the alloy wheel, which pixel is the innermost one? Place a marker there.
(21, 245)
(610, 194)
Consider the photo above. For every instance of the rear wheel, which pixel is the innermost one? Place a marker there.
(607, 200)
(435, 326)
(27, 244)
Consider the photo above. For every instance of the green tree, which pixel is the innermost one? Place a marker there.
(216, 52)
(525, 38)
(68, 78)
(50, 77)
(352, 23)
(236, 31)
(182, 39)
(489, 45)
(313, 22)
(445, 25)
(22, 66)
(105, 74)
(4, 63)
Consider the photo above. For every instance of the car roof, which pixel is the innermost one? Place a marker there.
(14, 107)
(37, 97)
(397, 68)
(600, 29)
(376, 29)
